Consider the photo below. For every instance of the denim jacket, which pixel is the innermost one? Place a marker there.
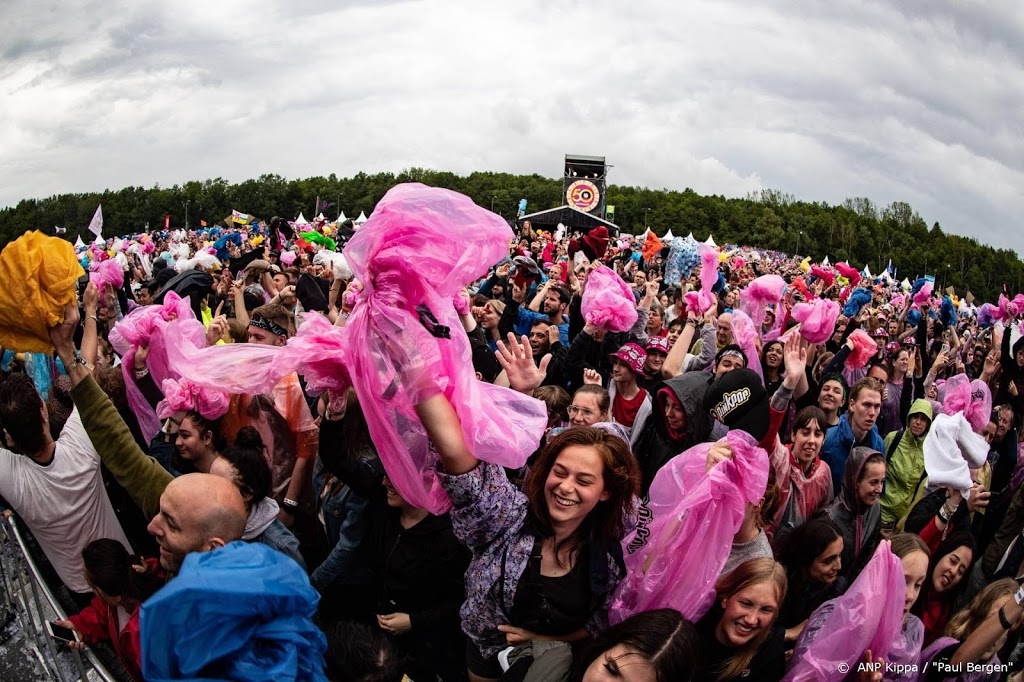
(343, 512)
(489, 516)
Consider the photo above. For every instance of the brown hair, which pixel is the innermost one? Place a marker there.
(866, 384)
(752, 572)
(811, 413)
(905, 544)
(604, 401)
(556, 400)
(621, 479)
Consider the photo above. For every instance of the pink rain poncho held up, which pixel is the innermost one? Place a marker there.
(147, 327)
(817, 319)
(685, 531)
(703, 300)
(608, 301)
(418, 249)
(764, 291)
(868, 616)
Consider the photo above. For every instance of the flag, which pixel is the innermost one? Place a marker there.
(322, 206)
(240, 218)
(522, 207)
(610, 212)
(889, 267)
(202, 223)
(167, 221)
(652, 246)
(96, 224)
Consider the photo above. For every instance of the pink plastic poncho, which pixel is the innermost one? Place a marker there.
(826, 276)
(924, 294)
(608, 301)
(744, 335)
(417, 250)
(685, 533)
(182, 395)
(817, 319)
(973, 398)
(147, 326)
(849, 272)
(106, 272)
(868, 616)
(864, 348)
(764, 291)
(703, 300)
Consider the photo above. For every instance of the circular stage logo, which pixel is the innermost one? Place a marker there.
(583, 195)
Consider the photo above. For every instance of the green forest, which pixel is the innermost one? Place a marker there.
(857, 230)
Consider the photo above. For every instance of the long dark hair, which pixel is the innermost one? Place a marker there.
(621, 476)
(958, 538)
(252, 473)
(666, 640)
(204, 426)
(110, 567)
(798, 550)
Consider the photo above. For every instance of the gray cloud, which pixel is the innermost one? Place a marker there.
(917, 102)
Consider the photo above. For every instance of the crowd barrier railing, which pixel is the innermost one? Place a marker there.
(25, 592)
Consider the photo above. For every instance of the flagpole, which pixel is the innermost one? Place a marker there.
(316, 210)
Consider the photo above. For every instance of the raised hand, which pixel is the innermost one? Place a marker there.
(516, 359)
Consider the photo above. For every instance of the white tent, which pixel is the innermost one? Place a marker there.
(711, 242)
(690, 236)
(867, 273)
(79, 243)
(825, 262)
(668, 236)
(100, 241)
(905, 284)
(321, 218)
(361, 219)
(341, 217)
(301, 220)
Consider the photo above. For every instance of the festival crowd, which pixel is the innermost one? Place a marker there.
(432, 449)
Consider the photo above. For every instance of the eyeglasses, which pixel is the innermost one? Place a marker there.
(585, 411)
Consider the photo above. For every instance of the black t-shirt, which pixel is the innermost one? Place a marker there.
(767, 665)
(552, 606)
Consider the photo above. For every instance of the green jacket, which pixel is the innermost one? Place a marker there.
(905, 468)
(139, 474)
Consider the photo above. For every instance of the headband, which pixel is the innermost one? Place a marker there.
(268, 325)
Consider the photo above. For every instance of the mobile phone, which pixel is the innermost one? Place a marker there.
(62, 633)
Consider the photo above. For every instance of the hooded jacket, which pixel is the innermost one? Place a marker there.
(860, 526)
(655, 446)
(800, 494)
(905, 468)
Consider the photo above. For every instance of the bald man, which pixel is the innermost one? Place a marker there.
(198, 513)
(193, 513)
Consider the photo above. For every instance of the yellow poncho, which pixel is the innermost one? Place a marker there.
(38, 275)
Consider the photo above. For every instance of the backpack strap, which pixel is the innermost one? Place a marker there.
(893, 445)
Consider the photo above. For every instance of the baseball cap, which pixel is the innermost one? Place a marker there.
(632, 355)
(658, 344)
(739, 400)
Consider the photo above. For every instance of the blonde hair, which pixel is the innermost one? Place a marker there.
(752, 572)
(967, 619)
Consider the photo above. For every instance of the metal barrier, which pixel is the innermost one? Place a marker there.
(26, 593)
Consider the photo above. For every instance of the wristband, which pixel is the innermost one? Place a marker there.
(943, 514)
(1002, 619)
(289, 504)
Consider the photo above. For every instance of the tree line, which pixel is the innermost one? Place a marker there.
(857, 230)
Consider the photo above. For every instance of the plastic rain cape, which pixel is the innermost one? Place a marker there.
(685, 532)
(842, 629)
(403, 341)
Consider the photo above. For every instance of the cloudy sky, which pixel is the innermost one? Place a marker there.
(919, 103)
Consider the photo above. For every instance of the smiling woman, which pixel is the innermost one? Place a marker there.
(740, 636)
(545, 560)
